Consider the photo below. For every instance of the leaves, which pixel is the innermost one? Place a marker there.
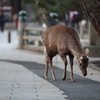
(60, 6)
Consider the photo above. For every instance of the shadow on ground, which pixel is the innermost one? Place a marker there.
(82, 89)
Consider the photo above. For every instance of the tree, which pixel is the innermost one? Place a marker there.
(91, 9)
(43, 11)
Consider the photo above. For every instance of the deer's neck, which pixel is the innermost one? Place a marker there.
(77, 48)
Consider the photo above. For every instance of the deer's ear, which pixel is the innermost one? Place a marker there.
(87, 51)
(74, 53)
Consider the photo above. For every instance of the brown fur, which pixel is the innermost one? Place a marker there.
(63, 40)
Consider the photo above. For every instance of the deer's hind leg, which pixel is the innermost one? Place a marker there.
(46, 68)
(49, 55)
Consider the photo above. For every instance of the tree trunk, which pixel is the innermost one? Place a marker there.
(91, 9)
(43, 11)
(16, 5)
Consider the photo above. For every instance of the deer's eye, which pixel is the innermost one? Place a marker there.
(80, 64)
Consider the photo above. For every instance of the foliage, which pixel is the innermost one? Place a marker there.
(27, 1)
(61, 6)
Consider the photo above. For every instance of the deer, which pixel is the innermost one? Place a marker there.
(64, 40)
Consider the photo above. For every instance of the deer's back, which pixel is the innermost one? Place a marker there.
(60, 37)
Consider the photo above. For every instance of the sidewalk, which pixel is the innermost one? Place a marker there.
(19, 83)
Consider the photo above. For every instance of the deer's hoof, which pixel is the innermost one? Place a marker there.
(63, 78)
(54, 78)
(46, 77)
(72, 80)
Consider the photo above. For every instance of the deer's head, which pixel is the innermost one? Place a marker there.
(83, 61)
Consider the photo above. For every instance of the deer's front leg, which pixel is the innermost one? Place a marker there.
(63, 56)
(71, 65)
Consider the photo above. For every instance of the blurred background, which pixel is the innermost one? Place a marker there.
(30, 18)
(66, 12)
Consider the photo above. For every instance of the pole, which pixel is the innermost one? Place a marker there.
(9, 36)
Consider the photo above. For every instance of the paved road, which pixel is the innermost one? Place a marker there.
(82, 89)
